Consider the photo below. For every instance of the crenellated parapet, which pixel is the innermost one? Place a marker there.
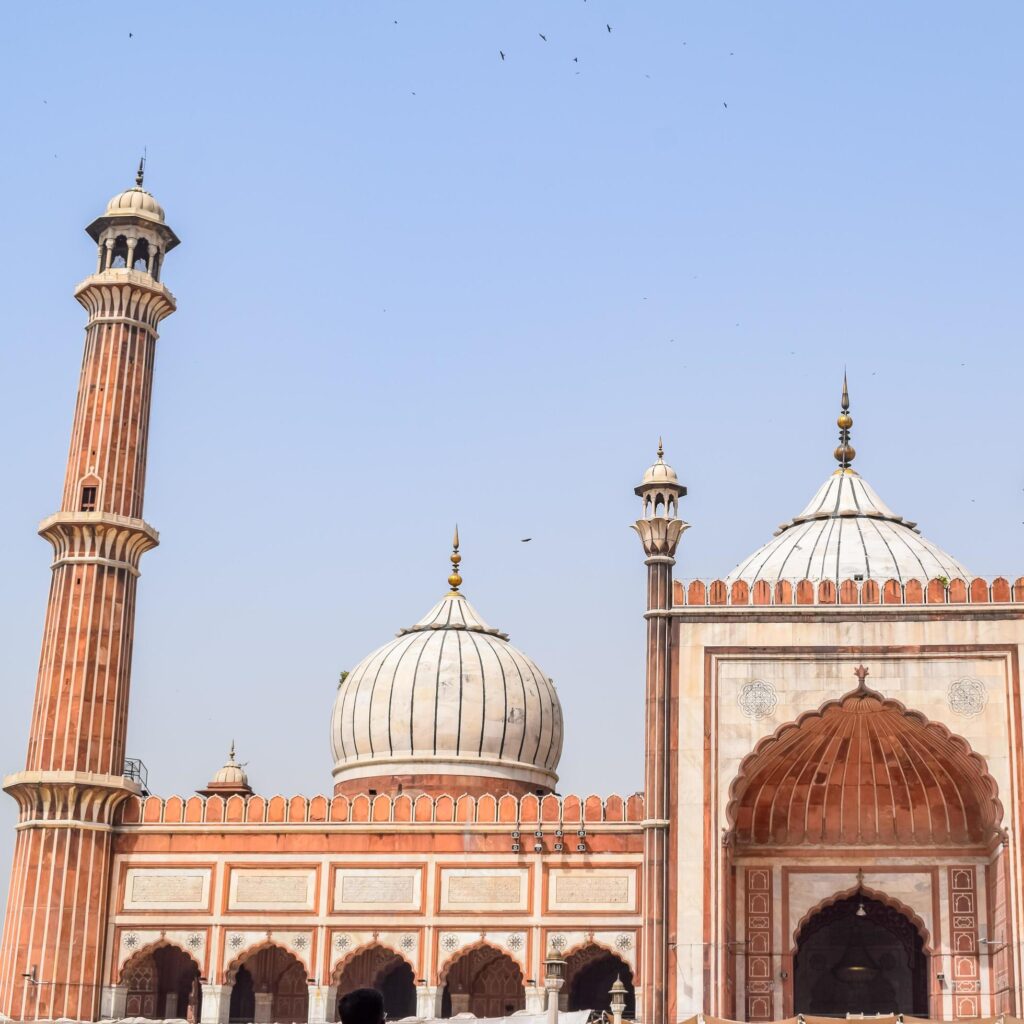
(62, 798)
(120, 295)
(98, 538)
(740, 594)
(384, 808)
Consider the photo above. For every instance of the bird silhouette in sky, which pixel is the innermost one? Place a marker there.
(608, 27)
(525, 540)
(544, 37)
(502, 54)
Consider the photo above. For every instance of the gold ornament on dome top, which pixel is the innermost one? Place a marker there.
(845, 453)
(455, 580)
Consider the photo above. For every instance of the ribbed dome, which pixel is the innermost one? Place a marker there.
(448, 696)
(228, 779)
(847, 532)
(135, 202)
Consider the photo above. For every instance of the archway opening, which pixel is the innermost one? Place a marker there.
(859, 955)
(162, 983)
(384, 970)
(590, 973)
(269, 985)
(485, 982)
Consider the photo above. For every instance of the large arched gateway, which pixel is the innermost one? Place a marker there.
(847, 826)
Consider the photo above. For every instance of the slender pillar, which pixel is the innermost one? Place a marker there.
(659, 530)
(216, 1004)
(73, 782)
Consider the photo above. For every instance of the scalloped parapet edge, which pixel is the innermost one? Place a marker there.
(384, 808)
(786, 593)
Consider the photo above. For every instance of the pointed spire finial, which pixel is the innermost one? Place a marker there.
(455, 580)
(661, 449)
(231, 752)
(140, 174)
(845, 453)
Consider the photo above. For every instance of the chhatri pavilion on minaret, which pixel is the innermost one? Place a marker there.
(833, 781)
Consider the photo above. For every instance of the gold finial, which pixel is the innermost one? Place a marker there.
(661, 449)
(140, 174)
(231, 752)
(455, 580)
(845, 453)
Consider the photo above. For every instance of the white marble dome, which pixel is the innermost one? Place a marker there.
(135, 202)
(847, 532)
(448, 696)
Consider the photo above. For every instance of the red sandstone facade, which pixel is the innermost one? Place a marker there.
(831, 762)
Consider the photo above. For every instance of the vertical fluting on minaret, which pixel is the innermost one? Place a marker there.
(73, 782)
(660, 529)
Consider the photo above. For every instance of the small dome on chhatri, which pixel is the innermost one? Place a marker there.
(231, 778)
(847, 532)
(660, 472)
(136, 202)
(449, 696)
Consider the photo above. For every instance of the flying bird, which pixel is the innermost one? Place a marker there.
(544, 37)
(502, 54)
(575, 60)
(726, 105)
(525, 540)
(608, 27)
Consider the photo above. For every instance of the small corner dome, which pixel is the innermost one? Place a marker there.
(660, 473)
(228, 779)
(135, 202)
(448, 705)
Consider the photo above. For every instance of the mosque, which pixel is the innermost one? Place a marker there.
(833, 778)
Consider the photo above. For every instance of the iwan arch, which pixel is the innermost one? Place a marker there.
(830, 819)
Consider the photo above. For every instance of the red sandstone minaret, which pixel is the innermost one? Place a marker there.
(73, 782)
(660, 529)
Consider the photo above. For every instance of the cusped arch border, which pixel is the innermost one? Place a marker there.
(243, 954)
(338, 966)
(151, 947)
(444, 969)
(601, 947)
(874, 894)
(764, 745)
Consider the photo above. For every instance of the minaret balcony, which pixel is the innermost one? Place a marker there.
(98, 538)
(126, 295)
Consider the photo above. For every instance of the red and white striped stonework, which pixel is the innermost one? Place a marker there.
(73, 780)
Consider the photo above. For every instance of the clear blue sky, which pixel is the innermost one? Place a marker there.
(418, 283)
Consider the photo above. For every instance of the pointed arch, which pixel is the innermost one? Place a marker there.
(879, 896)
(151, 947)
(482, 979)
(338, 966)
(591, 969)
(863, 768)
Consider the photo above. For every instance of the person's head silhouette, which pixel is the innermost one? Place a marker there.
(362, 1006)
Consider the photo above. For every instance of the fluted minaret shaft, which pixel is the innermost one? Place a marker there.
(73, 782)
(659, 531)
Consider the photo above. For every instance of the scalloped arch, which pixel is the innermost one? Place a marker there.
(338, 966)
(144, 951)
(249, 951)
(875, 894)
(863, 768)
(464, 951)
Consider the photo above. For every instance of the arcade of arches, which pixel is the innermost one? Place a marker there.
(838, 820)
